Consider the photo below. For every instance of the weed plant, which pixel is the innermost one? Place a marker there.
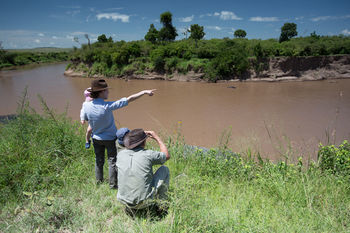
(47, 184)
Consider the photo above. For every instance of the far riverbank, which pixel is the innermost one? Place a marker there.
(270, 70)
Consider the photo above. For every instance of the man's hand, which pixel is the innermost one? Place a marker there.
(161, 144)
(151, 134)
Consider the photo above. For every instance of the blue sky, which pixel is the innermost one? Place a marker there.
(49, 23)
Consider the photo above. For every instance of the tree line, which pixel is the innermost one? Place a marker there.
(10, 58)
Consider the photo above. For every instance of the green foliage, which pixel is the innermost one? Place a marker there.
(240, 33)
(224, 58)
(102, 38)
(168, 31)
(36, 150)
(231, 61)
(288, 31)
(152, 34)
(335, 159)
(8, 59)
(197, 32)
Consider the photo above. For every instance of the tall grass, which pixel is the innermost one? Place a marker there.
(47, 185)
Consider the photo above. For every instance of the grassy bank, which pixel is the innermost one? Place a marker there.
(47, 185)
(20, 57)
(218, 59)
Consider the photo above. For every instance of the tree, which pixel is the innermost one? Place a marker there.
(110, 39)
(2, 51)
(102, 38)
(314, 35)
(239, 33)
(288, 31)
(185, 32)
(168, 31)
(87, 37)
(152, 34)
(197, 32)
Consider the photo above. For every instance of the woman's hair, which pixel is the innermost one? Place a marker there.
(95, 95)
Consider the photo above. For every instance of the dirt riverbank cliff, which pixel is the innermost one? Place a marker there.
(268, 69)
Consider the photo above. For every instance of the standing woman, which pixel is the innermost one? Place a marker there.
(99, 114)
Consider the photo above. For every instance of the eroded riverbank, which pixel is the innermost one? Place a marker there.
(270, 70)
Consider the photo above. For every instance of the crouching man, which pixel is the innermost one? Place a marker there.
(137, 185)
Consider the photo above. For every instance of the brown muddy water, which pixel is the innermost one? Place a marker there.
(275, 119)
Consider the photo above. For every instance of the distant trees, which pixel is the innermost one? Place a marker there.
(152, 34)
(288, 31)
(168, 31)
(240, 33)
(197, 32)
(2, 52)
(102, 38)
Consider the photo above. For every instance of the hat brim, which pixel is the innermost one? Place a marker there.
(129, 145)
(98, 89)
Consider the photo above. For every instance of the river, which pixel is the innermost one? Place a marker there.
(276, 119)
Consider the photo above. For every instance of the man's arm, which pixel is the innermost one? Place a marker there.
(139, 94)
(161, 144)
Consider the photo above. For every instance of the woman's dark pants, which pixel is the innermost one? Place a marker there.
(99, 147)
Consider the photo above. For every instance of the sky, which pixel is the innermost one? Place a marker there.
(49, 23)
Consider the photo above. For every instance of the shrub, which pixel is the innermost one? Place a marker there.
(159, 64)
(171, 63)
(98, 68)
(335, 159)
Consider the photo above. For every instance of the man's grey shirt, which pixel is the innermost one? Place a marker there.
(99, 113)
(135, 174)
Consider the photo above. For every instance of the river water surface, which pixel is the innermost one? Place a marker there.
(273, 118)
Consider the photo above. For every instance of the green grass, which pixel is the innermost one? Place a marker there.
(47, 184)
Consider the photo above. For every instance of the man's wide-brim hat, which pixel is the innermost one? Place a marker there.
(134, 138)
(98, 85)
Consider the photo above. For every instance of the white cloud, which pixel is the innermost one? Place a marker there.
(321, 18)
(263, 19)
(114, 17)
(227, 15)
(41, 34)
(54, 37)
(186, 19)
(73, 13)
(78, 33)
(217, 28)
(37, 41)
(299, 18)
(328, 17)
(209, 15)
(346, 32)
(114, 9)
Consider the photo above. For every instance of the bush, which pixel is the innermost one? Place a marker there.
(335, 159)
(159, 64)
(171, 63)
